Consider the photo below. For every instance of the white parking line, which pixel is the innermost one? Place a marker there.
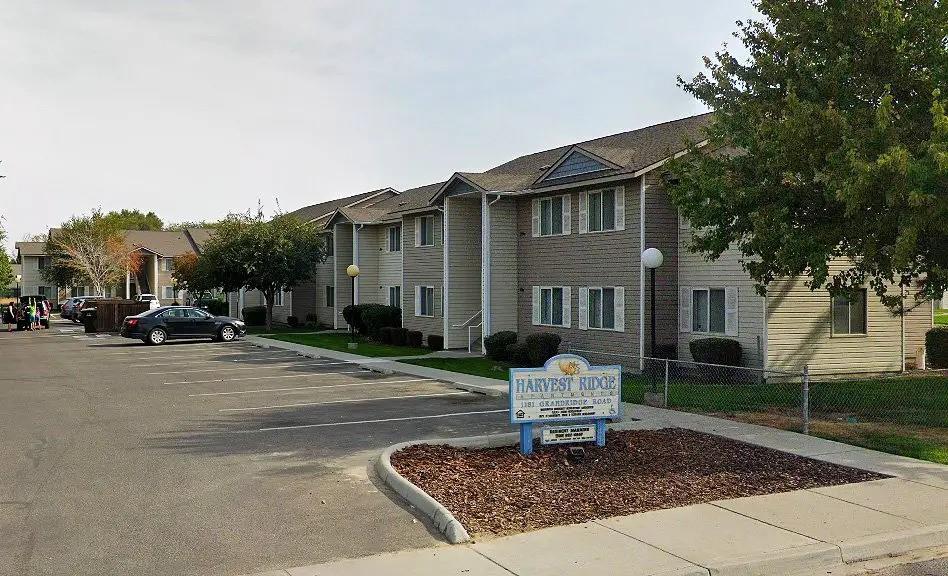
(262, 390)
(284, 365)
(259, 361)
(300, 404)
(171, 353)
(266, 377)
(402, 419)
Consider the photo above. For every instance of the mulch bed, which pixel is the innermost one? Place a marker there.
(499, 491)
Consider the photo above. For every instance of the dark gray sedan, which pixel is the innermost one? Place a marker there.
(171, 322)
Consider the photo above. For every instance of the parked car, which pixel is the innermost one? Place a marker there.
(80, 306)
(171, 322)
(152, 300)
(68, 307)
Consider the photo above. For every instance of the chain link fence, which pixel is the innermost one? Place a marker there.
(905, 414)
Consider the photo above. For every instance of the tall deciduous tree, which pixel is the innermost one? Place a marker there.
(191, 273)
(829, 141)
(133, 220)
(249, 251)
(89, 249)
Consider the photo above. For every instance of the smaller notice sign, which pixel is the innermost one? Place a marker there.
(565, 434)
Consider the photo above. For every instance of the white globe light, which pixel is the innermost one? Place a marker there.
(352, 270)
(652, 258)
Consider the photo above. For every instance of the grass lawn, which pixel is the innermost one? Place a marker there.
(476, 366)
(339, 342)
(941, 316)
(905, 416)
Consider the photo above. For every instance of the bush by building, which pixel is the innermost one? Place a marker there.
(414, 338)
(399, 336)
(541, 347)
(292, 321)
(435, 342)
(724, 351)
(255, 315)
(496, 344)
(936, 347)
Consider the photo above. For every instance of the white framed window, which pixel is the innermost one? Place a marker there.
(602, 308)
(602, 210)
(395, 296)
(330, 296)
(167, 264)
(77, 291)
(278, 298)
(167, 292)
(551, 216)
(708, 310)
(393, 242)
(330, 246)
(849, 314)
(424, 301)
(42, 262)
(551, 306)
(424, 230)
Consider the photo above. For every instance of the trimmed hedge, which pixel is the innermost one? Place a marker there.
(496, 344)
(292, 321)
(414, 338)
(716, 351)
(217, 307)
(368, 319)
(435, 342)
(255, 315)
(353, 318)
(399, 336)
(517, 354)
(936, 347)
(311, 318)
(541, 347)
(385, 335)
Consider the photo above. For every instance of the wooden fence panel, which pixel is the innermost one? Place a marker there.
(110, 313)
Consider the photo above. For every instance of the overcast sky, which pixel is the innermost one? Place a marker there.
(194, 109)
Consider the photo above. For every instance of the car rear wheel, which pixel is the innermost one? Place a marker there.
(228, 333)
(157, 336)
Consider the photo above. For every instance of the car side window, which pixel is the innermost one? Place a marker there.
(195, 313)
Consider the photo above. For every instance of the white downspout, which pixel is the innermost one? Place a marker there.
(155, 287)
(485, 270)
(335, 277)
(355, 259)
(902, 324)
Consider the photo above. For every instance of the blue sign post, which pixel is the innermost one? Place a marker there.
(566, 389)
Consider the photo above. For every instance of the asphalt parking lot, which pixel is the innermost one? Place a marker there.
(204, 458)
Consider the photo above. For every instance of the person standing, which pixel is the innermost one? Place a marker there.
(9, 316)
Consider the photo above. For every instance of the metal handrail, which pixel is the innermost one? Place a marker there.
(471, 319)
(470, 341)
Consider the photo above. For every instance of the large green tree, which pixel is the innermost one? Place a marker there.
(828, 141)
(250, 251)
(133, 220)
(89, 250)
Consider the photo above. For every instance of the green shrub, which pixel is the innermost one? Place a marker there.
(399, 336)
(541, 347)
(669, 351)
(353, 317)
(435, 342)
(255, 315)
(936, 347)
(217, 307)
(496, 344)
(374, 317)
(385, 334)
(517, 355)
(724, 351)
(311, 318)
(292, 321)
(414, 338)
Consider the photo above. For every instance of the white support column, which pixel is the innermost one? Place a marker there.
(444, 287)
(335, 278)
(485, 270)
(240, 304)
(128, 283)
(641, 271)
(155, 290)
(355, 259)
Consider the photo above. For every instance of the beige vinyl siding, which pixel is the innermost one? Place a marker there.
(463, 214)
(324, 277)
(503, 261)
(33, 279)
(282, 312)
(390, 267)
(799, 332)
(725, 272)
(304, 300)
(424, 266)
(343, 236)
(661, 221)
(368, 261)
(575, 260)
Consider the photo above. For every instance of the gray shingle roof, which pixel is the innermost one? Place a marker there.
(31, 248)
(166, 243)
(317, 211)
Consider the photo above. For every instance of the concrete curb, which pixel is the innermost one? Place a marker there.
(819, 558)
(894, 543)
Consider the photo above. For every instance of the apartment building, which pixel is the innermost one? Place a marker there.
(551, 241)
(31, 258)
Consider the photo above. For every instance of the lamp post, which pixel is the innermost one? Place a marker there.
(19, 278)
(352, 271)
(652, 258)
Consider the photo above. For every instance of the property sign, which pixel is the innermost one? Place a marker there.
(566, 434)
(566, 388)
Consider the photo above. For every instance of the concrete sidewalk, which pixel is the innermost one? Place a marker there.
(488, 386)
